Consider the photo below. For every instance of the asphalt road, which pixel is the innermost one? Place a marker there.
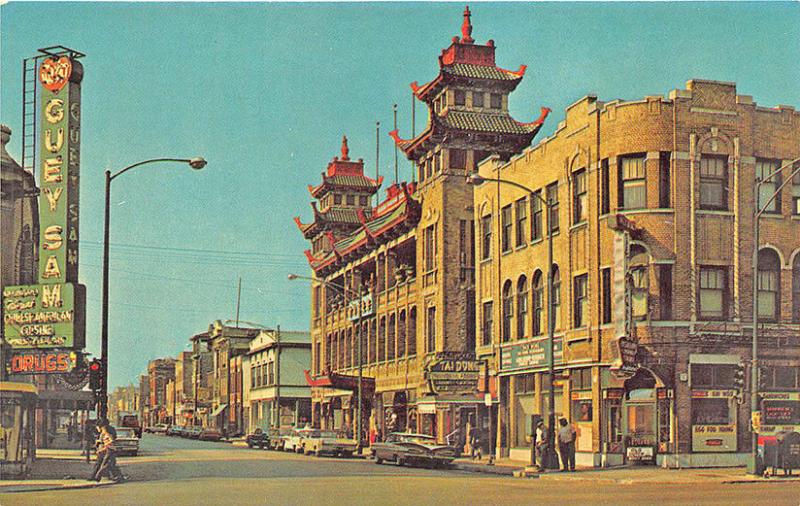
(177, 472)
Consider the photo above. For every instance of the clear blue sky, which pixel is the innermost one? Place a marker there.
(265, 92)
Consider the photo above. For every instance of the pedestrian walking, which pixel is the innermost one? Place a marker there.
(566, 445)
(106, 455)
(475, 443)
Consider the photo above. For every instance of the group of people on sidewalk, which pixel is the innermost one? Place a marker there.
(106, 462)
(565, 438)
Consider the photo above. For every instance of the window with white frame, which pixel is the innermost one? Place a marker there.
(714, 182)
(522, 307)
(764, 168)
(521, 206)
(581, 301)
(769, 271)
(713, 293)
(633, 183)
(580, 197)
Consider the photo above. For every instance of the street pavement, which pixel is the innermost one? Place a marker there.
(177, 471)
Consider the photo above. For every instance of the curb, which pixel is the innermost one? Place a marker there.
(42, 487)
(497, 470)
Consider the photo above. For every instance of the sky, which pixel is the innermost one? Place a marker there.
(265, 91)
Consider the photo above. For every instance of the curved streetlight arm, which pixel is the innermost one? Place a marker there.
(196, 163)
(292, 277)
(788, 180)
(478, 180)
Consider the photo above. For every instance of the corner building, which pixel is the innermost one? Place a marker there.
(410, 258)
(651, 206)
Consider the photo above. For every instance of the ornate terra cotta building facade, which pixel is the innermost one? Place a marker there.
(411, 259)
(652, 205)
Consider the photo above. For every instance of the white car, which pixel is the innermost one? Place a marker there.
(294, 442)
(126, 443)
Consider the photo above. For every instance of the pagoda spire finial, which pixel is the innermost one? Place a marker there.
(466, 27)
(345, 149)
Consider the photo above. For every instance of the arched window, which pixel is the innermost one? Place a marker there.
(508, 310)
(522, 307)
(412, 332)
(382, 340)
(401, 335)
(769, 285)
(796, 289)
(555, 304)
(538, 302)
(391, 341)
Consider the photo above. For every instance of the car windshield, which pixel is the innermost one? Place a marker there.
(414, 438)
(330, 434)
(308, 433)
(124, 433)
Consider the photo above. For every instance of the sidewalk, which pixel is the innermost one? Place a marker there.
(622, 475)
(55, 469)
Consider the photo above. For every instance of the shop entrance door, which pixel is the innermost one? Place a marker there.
(640, 419)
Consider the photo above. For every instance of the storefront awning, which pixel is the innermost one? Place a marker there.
(341, 382)
(219, 410)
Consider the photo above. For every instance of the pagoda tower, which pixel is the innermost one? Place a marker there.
(343, 202)
(468, 121)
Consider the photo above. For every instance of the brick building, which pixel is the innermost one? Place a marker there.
(410, 260)
(160, 372)
(652, 205)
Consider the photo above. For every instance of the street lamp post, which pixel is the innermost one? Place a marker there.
(359, 332)
(477, 180)
(758, 210)
(195, 163)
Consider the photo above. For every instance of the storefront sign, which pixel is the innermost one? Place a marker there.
(639, 453)
(625, 352)
(51, 313)
(366, 308)
(36, 362)
(530, 354)
(714, 438)
(453, 373)
(44, 316)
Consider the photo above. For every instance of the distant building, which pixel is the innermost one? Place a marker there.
(144, 399)
(276, 391)
(184, 375)
(203, 377)
(160, 372)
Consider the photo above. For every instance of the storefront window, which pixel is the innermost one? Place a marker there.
(711, 412)
(582, 410)
(640, 419)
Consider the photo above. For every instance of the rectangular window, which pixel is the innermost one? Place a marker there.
(665, 291)
(337, 198)
(664, 179)
(496, 101)
(430, 248)
(460, 97)
(796, 194)
(581, 301)
(536, 216)
(522, 220)
(713, 182)
(458, 159)
(486, 237)
(605, 183)
(633, 193)
(431, 329)
(437, 161)
(768, 187)
(580, 197)
(477, 99)
(429, 166)
(363, 200)
(768, 294)
(351, 200)
(466, 249)
(606, 282)
(488, 322)
(713, 296)
(507, 224)
(552, 207)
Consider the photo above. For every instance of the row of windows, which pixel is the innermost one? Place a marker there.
(479, 99)
(262, 375)
(456, 160)
(349, 199)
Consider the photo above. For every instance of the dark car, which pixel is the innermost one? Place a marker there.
(132, 422)
(258, 439)
(192, 432)
(126, 443)
(209, 434)
(173, 430)
(414, 450)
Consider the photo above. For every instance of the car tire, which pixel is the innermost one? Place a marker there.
(378, 460)
(400, 461)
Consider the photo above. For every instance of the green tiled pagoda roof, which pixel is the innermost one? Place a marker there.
(483, 122)
(480, 72)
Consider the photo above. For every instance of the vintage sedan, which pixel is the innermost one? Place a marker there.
(293, 442)
(257, 439)
(326, 442)
(414, 450)
(209, 434)
(126, 442)
(278, 436)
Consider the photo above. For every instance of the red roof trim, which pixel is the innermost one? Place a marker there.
(544, 111)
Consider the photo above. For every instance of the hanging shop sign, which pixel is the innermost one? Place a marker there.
(625, 351)
(41, 362)
(51, 314)
(530, 354)
(453, 373)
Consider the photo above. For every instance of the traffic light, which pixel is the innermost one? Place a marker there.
(738, 377)
(95, 375)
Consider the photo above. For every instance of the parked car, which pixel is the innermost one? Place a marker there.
(293, 442)
(127, 443)
(277, 437)
(191, 432)
(258, 439)
(326, 442)
(131, 421)
(414, 450)
(159, 428)
(209, 434)
(173, 430)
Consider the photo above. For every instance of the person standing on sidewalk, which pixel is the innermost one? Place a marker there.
(566, 445)
(541, 445)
